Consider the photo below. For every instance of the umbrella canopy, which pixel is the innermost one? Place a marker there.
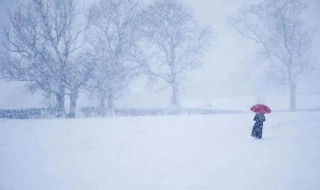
(260, 108)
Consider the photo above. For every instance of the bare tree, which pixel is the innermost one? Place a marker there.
(41, 41)
(114, 39)
(277, 26)
(79, 73)
(177, 41)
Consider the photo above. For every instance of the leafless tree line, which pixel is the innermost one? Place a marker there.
(62, 52)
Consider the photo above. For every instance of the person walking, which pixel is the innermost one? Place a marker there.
(259, 118)
(258, 126)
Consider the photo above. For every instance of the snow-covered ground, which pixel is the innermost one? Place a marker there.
(161, 153)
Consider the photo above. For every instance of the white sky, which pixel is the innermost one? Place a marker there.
(225, 65)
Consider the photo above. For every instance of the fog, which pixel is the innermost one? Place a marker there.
(226, 75)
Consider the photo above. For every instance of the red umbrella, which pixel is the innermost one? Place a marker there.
(260, 108)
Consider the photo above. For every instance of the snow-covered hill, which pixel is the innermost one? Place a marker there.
(161, 153)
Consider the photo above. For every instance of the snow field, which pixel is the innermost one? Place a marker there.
(201, 152)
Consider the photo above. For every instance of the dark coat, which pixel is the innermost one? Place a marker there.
(258, 126)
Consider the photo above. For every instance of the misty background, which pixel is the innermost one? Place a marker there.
(227, 78)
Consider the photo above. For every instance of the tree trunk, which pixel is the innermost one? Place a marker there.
(102, 108)
(73, 103)
(60, 104)
(60, 101)
(175, 103)
(111, 103)
(292, 96)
